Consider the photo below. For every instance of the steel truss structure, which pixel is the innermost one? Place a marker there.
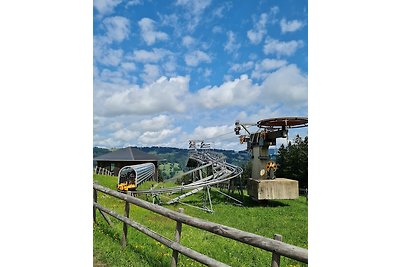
(216, 170)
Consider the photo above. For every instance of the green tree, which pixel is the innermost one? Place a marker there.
(160, 175)
(247, 166)
(293, 161)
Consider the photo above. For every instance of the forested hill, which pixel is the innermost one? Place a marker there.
(180, 156)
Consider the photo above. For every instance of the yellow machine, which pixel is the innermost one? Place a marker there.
(130, 177)
(127, 180)
(127, 186)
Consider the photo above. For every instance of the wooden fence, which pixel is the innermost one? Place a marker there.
(276, 246)
(103, 171)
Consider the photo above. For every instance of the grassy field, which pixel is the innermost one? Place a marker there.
(285, 217)
(169, 170)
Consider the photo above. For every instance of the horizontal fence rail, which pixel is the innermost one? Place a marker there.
(275, 246)
(169, 243)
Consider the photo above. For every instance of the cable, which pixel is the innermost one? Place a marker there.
(212, 138)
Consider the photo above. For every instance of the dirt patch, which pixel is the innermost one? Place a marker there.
(97, 263)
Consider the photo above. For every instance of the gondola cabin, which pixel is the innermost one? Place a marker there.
(130, 177)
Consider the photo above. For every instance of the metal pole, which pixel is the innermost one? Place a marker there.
(209, 198)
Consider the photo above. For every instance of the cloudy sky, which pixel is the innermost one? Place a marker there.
(169, 71)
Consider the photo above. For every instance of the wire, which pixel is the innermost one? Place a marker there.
(212, 138)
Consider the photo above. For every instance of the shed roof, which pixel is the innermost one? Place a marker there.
(127, 154)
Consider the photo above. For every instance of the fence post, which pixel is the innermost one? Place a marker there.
(276, 258)
(178, 230)
(125, 226)
(94, 200)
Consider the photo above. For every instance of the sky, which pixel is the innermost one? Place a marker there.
(166, 72)
(46, 103)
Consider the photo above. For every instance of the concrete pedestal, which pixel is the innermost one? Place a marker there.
(279, 188)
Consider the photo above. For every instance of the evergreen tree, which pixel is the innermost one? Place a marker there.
(292, 161)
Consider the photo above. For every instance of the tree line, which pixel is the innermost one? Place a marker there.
(292, 161)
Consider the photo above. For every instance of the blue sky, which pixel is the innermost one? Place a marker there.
(169, 71)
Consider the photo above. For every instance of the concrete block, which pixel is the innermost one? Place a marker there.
(279, 188)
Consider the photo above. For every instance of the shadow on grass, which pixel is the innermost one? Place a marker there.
(218, 198)
(250, 203)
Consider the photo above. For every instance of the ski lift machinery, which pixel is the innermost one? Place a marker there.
(263, 185)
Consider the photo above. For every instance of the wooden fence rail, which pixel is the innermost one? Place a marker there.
(278, 248)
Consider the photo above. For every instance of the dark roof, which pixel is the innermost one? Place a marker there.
(127, 154)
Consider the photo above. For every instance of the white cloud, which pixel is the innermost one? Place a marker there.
(195, 7)
(105, 55)
(98, 123)
(228, 77)
(128, 66)
(164, 95)
(271, 64)
(117, 28)
(238, 92)
(158, 137)
(103, 141)
(262, 69)
(156, 123)
(112, 57)
(272, 15)
(188, 41)
(231, 45)
(207, 72)
(282, 93)
(287, 85)
(125, 135)
(256, 34)
(196, 57)
(201, 132)
(273, 46)
(145, 56)
(290, 26)
(217, 29)
(148, 32)
(242, 67)
(274, 10)
(105, 6)
(194, 10)
(170, 65)
(115, 125)
(219, 11)
(173, 21)
(115, 77)
(134, 3)
(150, 73)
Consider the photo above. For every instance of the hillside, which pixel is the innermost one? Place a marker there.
(173, 160)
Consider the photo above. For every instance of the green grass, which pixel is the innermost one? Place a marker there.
(285, 217)
(167, 169)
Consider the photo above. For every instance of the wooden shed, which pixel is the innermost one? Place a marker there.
(117, 159)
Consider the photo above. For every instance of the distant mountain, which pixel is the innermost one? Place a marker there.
(97, 151)
(180, 156)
